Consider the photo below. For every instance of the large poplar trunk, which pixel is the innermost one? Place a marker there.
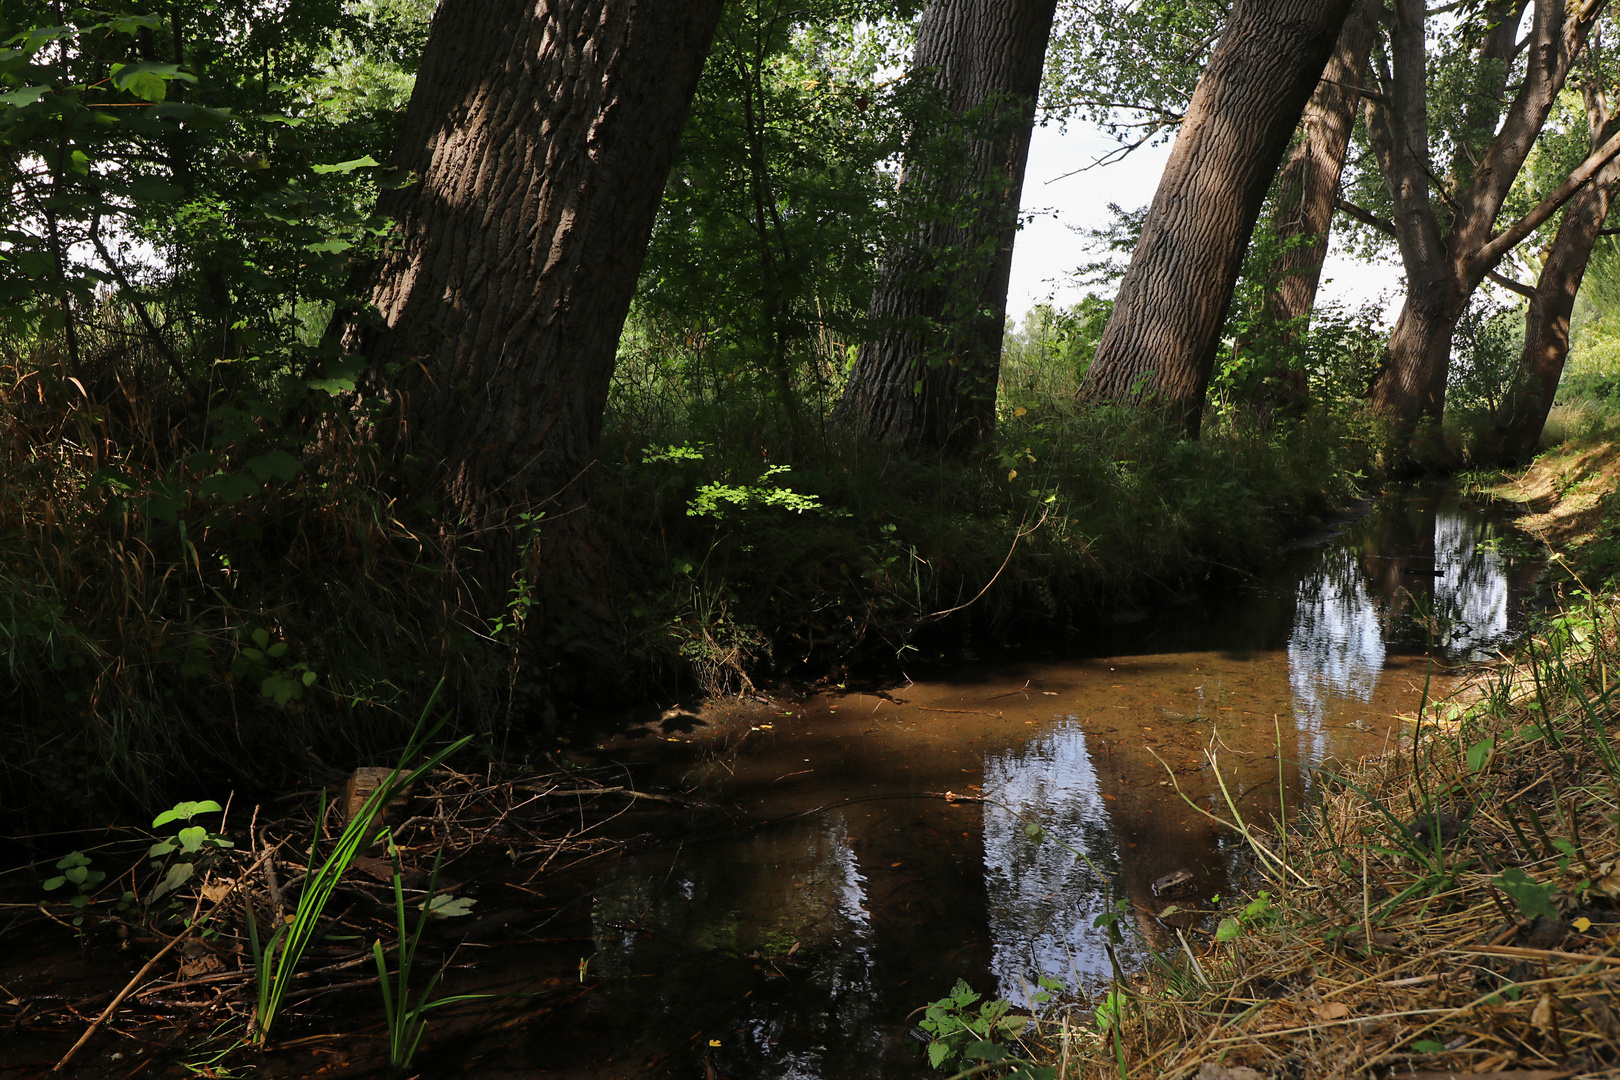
(1522, 415)
(928, 378)
(1308, 188)
(542, 132)
(1160, 342)
(1445, 263)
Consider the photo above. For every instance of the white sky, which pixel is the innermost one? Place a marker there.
(1048, 248)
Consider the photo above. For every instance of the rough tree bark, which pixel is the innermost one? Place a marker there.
(1308, 188)
(1160, 342)
(929, 378)
(1445, 262)
(1517, 426)
(542, 132)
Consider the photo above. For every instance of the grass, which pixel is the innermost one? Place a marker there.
(1452, 907)
(752, 547)
(236, 587)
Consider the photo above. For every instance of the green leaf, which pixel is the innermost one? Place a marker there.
(1429, 1046)
(1228, 930)
(52, 884)
(161, 848)
(451, 907)
(192, 838)
(332, 246)
(1532, 898)
(146, 80)
(347, 166)
(178, 875)
(185, 811)
(277, 464)
(1479, 753)
(937, 1052)
(26, 96)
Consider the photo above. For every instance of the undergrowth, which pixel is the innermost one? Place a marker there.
(751, 546)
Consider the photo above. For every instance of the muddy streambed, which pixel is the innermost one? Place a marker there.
(850, 883)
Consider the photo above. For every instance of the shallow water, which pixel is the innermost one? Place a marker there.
(851, 886)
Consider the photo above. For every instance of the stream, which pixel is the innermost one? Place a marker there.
(850, 888)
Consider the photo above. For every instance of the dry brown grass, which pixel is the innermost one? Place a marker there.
(1391, 948)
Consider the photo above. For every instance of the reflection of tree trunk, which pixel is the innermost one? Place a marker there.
(1309, 184)
(1518, 423)
(1157, 833)
(941, 301)
(1398, 557)
(510, 269)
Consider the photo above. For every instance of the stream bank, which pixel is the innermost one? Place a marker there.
(1450, 907)
(853, 854)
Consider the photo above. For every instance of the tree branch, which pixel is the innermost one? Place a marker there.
(1511, 285)
(1366, 217)
(1508, 238)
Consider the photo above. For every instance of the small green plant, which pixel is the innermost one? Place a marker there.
(1255, 912)
(194, 843)
(276, 962)
(75, 870)
(1532, 898)
(407, 1019)
(963, 1034)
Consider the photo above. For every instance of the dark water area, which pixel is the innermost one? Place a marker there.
(862, 851)
(850, 884)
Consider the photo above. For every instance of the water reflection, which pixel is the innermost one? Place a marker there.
(1043, 900)
(798, 949)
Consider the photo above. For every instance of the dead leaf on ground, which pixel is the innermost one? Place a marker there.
(1333, 1010)
(215, 891)
(201, 965)
(1545, 1015)
(1210, 1070)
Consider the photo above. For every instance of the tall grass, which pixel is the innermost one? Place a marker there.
(767, 546)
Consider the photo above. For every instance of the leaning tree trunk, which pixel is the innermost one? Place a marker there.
(542, 132)
(1522, 415)
(1308, 188)
(929, 377)
(1160, 342)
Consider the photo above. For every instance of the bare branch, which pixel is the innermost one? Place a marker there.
(1511, 285)
(1508, 238)
(1366, 217)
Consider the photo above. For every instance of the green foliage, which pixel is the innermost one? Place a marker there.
(276, 961)
(405, 1012)
(77, 872)
(1532, 898)
(194, 845)
(780, 202)
(963, 1034)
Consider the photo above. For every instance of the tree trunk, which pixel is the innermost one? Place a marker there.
(1308, 188)
(1518, 423)
(542, 133)
(1160, 342)
(1445, 264)
(929, 377)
